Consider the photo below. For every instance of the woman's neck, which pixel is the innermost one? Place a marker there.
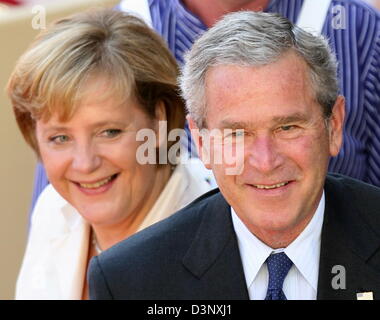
(210, 11)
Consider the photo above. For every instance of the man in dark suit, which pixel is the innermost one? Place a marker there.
(265, 113)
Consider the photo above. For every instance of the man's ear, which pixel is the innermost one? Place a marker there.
(202, 147)
(336, 124)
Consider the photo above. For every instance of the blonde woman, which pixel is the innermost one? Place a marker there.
(81, 94)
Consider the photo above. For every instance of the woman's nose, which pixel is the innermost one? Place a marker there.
(86, 159)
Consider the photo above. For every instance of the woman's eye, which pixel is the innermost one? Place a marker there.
(111, 133)
(61, 139)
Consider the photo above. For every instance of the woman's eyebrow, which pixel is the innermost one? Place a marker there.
(103, 123)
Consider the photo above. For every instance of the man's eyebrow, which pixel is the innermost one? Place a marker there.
(295, 117)
(231, 124)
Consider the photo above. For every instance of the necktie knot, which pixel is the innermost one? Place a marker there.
(278, 267)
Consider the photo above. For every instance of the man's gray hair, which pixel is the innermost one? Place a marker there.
(248, 38)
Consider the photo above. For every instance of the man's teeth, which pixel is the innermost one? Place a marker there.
(96, 184)
(260, 186)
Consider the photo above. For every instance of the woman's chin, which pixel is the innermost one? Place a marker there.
(98, 214)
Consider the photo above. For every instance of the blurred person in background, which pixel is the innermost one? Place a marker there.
(81, 94)
(11, 2)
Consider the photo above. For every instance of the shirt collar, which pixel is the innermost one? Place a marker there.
(270, 5)
(253, 251)
(169, 199)
(188, 17)
(303, 251)
(68, 220)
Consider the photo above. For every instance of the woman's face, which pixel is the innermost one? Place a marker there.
(91, 158)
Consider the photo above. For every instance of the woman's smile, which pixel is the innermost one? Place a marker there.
(99, 186)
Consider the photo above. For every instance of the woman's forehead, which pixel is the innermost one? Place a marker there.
(94, 91)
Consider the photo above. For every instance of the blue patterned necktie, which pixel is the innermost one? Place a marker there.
(278, 267)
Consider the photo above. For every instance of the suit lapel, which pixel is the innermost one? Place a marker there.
(349, 256)
(214, 257)
(347, 246)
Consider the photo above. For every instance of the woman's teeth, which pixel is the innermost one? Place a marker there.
(96, 184)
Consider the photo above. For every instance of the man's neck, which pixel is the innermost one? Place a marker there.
(211, 11)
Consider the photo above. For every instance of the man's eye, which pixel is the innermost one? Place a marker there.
(287, 128)
(234, 133)
(289, 131)
(111, 133)
(238, 133)
(60, 139)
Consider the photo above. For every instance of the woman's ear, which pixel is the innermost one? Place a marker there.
(160, 111)
(161, 124)
(203, 151)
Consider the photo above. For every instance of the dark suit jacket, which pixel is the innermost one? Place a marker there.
(194, 253)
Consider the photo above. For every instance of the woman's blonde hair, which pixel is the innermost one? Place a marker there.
(49, 77)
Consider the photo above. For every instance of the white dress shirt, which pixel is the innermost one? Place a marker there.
(302, 280)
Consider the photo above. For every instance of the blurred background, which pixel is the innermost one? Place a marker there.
(375, 3)
(19, 23)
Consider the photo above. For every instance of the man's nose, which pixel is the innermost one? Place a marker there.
(86, 158)
(264, 154)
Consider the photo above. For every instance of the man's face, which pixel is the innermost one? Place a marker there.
(287, 143)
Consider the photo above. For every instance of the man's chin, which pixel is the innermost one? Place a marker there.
(272, 222)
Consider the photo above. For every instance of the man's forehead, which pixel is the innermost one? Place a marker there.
(289, 62)
(280, 85)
